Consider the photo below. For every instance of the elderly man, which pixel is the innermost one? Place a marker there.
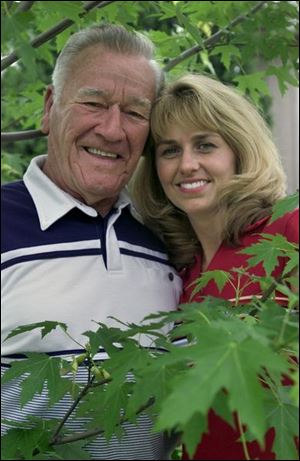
(74, 251)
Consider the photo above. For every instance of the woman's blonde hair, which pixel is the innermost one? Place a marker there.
(206, 104)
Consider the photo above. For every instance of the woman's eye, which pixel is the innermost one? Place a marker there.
(205, 146)
(169, 152)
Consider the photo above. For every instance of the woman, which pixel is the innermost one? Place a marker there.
(208, 192)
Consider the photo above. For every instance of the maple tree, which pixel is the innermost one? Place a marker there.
(226, 354)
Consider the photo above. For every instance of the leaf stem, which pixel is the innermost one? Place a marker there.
(243, 440)
(93, 432)
(70, 411)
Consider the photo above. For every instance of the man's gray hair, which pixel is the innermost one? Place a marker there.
(113, 38)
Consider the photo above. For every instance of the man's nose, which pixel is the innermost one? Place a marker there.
(110, 125)
(189, 162)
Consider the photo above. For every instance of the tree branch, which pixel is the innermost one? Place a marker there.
(52, 32)
(24, 6)
(21, 135)
(45, 36)
(9, 4)
(83, 392)
(93, 432)
(267, 293)
(214, 39)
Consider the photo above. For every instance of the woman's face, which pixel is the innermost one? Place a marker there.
(190, 165)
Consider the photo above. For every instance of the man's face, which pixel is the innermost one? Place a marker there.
(98, 127)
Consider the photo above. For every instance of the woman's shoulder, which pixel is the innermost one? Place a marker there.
(287, 225)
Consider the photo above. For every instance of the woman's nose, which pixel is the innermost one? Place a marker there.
(189, 162)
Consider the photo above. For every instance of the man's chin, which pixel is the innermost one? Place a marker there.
(100, 198)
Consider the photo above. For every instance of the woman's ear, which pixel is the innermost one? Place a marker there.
(48, 102)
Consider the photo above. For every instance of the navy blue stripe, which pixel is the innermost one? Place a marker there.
(83, 252)
(51, 255)
(51, 354)
(138, 254)
(69, 352)
(21, 227)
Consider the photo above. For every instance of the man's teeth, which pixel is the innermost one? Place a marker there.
(94, 151)
(193, 185)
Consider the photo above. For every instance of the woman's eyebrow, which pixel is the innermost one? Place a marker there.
(166, 141)
(201, 136)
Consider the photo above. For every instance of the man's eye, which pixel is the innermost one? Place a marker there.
(98, 105)
(137, 115)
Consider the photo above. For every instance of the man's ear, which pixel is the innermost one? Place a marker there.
(48, 102)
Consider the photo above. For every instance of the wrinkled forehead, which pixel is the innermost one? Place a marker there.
(112, 71)
(110, 95)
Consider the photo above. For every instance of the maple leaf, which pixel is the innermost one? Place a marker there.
(284, 205)
(46, 327)
(284, 417)
(39, 371)
(228, 364)
(218, 276)
(268, 250)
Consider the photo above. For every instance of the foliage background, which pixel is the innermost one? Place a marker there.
(228, 39)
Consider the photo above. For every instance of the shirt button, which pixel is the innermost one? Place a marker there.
(171, 276)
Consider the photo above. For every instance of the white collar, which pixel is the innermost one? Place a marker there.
(51, 202)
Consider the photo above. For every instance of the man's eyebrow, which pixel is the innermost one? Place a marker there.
(145, 102)
(135, 100)
(92, 92)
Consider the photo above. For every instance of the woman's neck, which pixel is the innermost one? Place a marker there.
(209, 232)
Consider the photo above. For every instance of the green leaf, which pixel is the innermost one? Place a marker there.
(129, 358)
(72, 450)
(37, 371)
(267, 251)
(104, 337)
(47, 326)
(155, 382)
(284, 417)
(292, 263)
(220, 406)
(26, 441)
(65, 9)
(284, 77)
(194, 429)
(115, 405)
(227, 364)
(218, 276)
(188, 25)
(284, 206)
(254, 84)
(227, 53)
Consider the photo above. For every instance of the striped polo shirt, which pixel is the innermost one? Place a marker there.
(61, 261)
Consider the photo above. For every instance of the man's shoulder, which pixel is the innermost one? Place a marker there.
(15, 195)
(14, 185)
(13, 189)
(136, 233)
